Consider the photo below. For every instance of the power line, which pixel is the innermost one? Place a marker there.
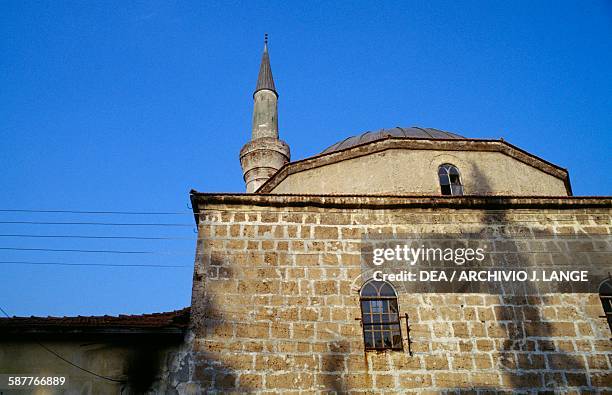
(96, 223)
(89, 264)
(78, 250)
(97, 212)
(89, 251)
(97, 237)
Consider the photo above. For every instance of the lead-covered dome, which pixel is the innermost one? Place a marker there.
(411, 132)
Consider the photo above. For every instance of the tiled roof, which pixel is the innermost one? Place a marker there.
(172, 320)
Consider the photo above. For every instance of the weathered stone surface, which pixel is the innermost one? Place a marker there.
(294, 318)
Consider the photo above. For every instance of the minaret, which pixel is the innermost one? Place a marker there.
(261, 157)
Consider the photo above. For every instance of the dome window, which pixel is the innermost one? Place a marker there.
(450, 180)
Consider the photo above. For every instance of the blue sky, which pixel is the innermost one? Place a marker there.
(126, 106)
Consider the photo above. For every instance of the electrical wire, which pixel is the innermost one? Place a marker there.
(97, 237)
(97, 212)
(95, 223)
(90, 251)
(76, 250)
(90, 264)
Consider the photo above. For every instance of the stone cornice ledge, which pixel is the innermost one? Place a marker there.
(201, 200)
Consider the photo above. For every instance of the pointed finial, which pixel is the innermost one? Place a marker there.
(264, 79)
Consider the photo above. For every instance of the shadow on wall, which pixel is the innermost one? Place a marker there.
(333, 366)
(93, 363)
(208, 370)
(527, 346)
(529, 358)
(143, 369)
(216, 362)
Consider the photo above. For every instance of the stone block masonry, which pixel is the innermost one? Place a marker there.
(276, 308)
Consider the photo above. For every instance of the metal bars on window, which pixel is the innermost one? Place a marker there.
(380, 317)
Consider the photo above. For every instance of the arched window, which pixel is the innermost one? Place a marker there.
(605, 294)
(450, 180)
(380, 316)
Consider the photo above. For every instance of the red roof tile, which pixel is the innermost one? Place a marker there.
(178, 319)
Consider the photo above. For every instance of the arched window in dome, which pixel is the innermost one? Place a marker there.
(380, 316)
(450, 180)
(605, 295)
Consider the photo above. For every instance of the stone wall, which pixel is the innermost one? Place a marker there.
(275, 304)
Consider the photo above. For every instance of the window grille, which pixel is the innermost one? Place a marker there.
(380, 317)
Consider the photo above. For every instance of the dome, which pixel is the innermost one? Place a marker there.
(413, 132)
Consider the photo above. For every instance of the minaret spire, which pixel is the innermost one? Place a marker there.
(265, 153)
(265, 79)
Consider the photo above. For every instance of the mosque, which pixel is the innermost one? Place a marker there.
(282, 301)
